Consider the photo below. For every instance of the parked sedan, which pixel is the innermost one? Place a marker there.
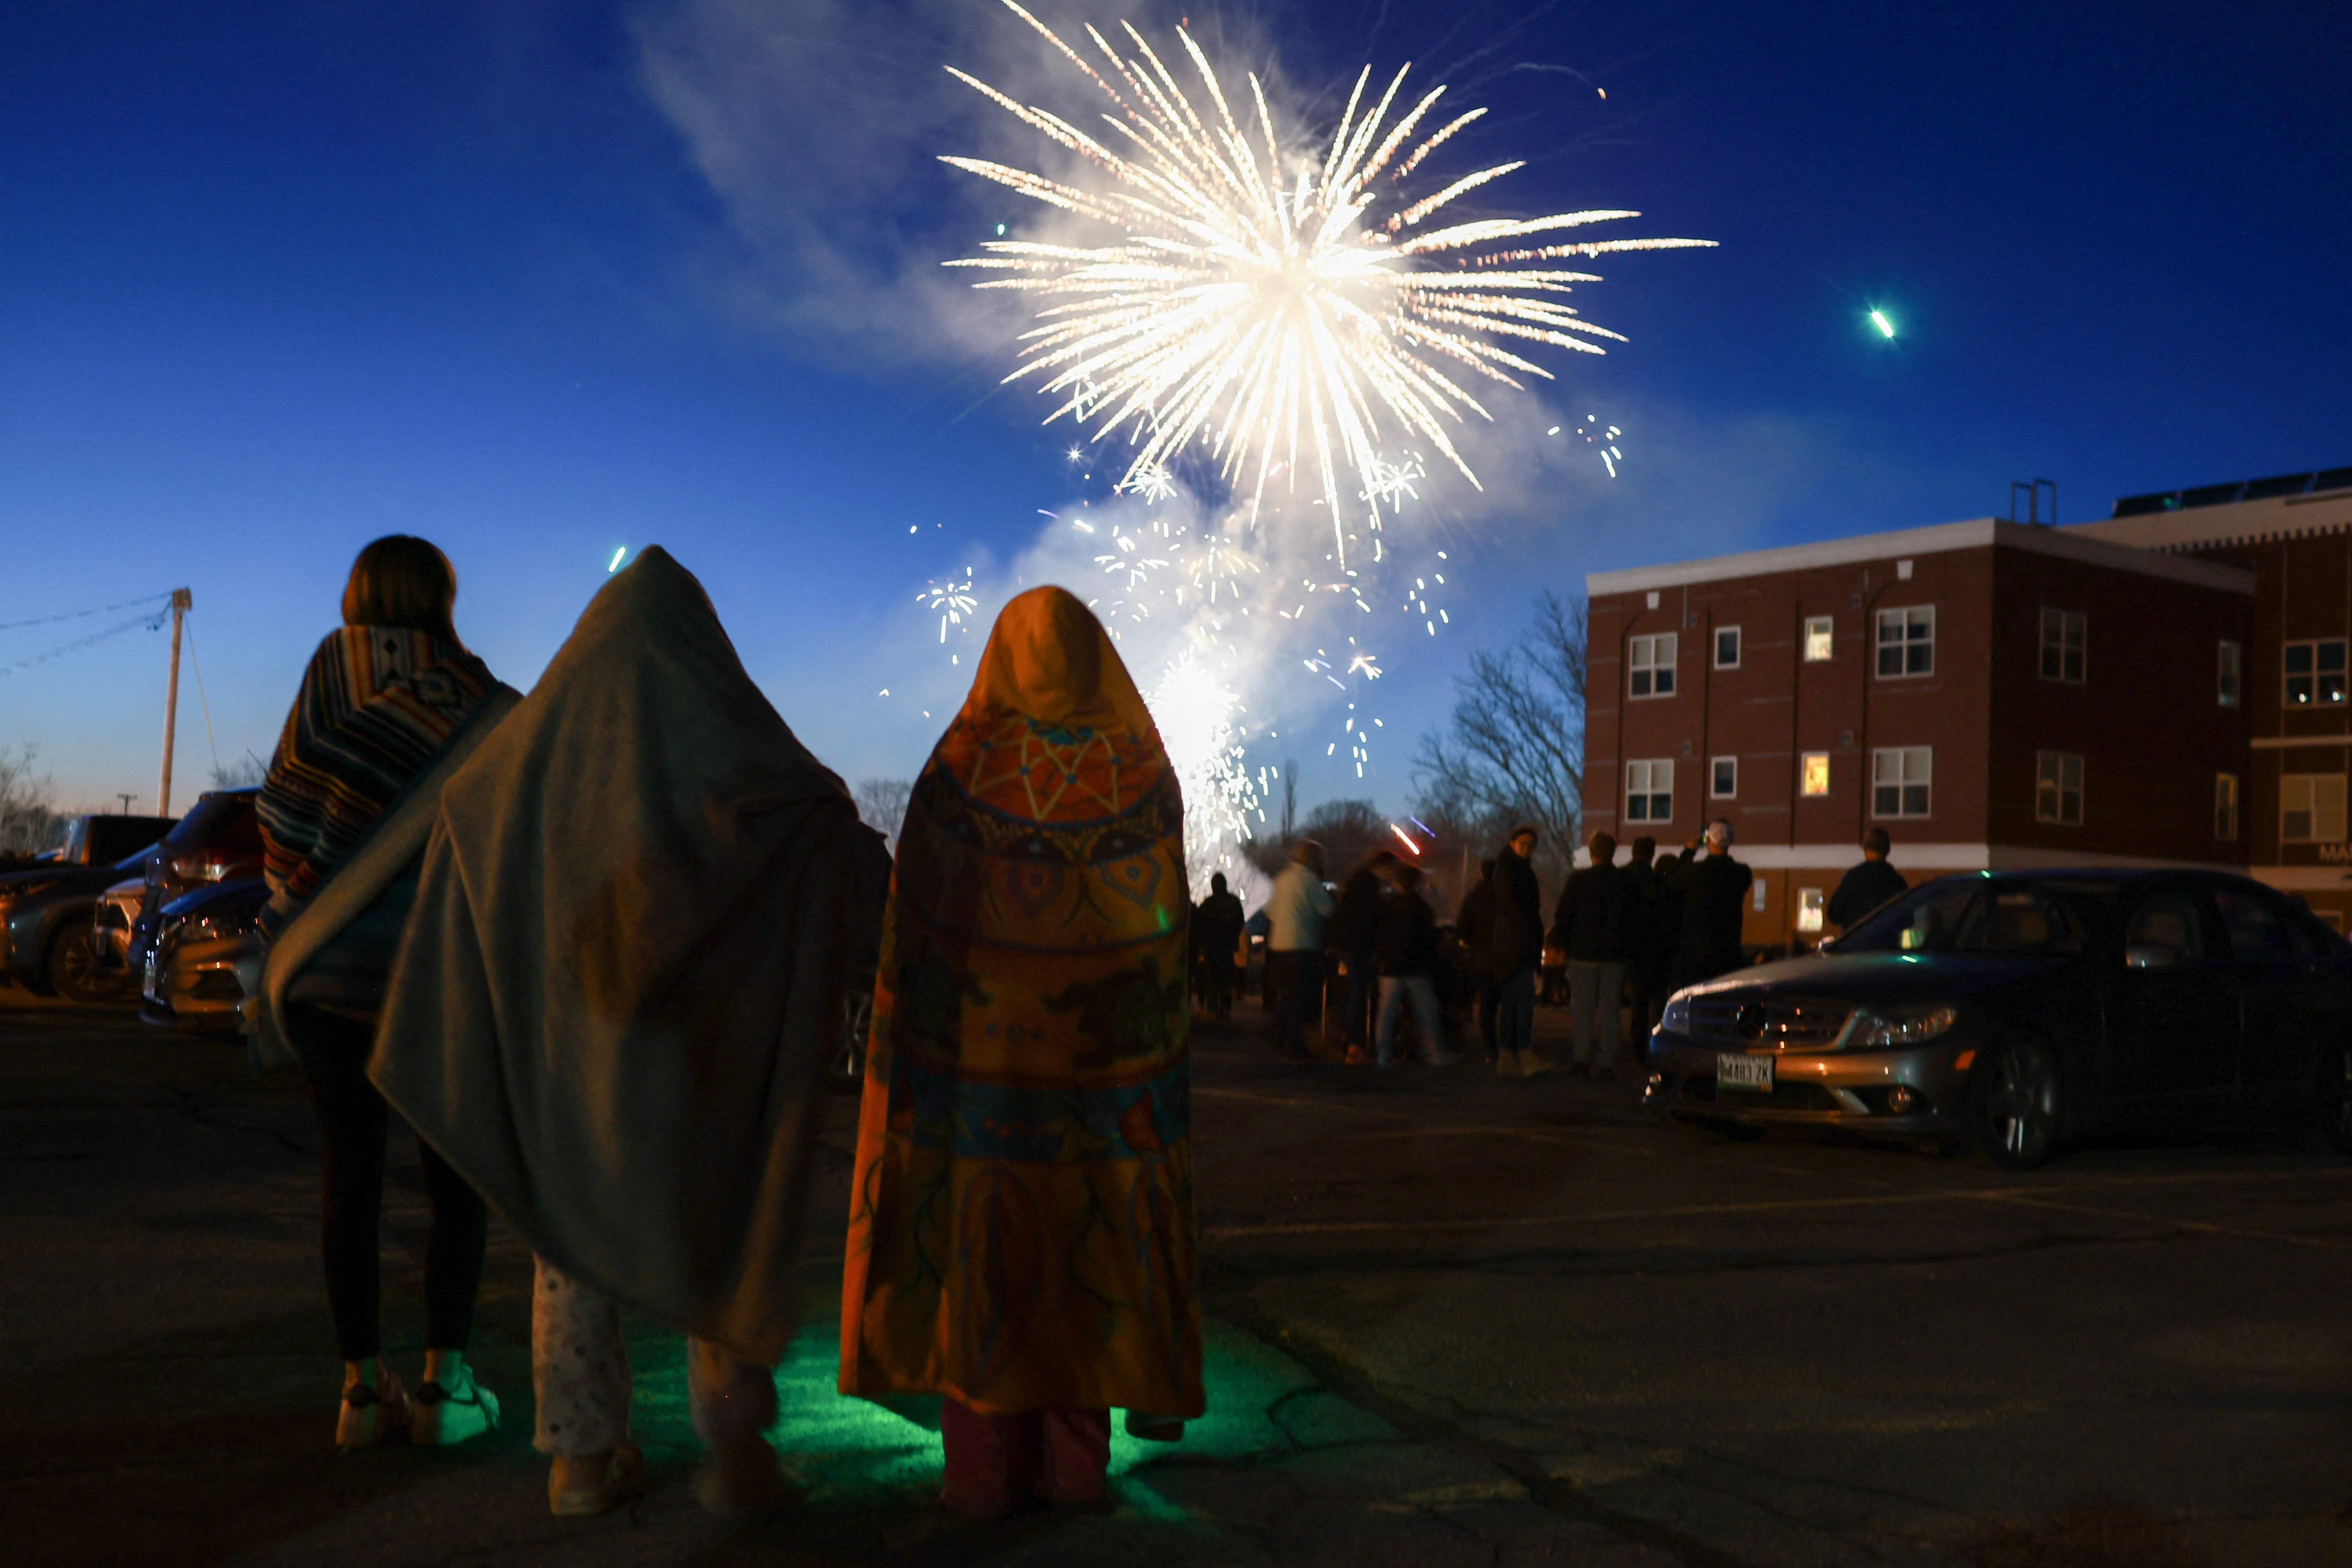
(46, 926)
(190, 974)
(2009, 1010)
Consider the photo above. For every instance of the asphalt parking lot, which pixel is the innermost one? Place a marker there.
(1454, 1319)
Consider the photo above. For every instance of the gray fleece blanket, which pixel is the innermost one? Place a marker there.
(619, 989)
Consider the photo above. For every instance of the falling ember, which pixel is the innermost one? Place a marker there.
(1267, 306)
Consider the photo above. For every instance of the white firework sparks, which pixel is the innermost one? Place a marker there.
(1270, 306)
(1151, 481)
(1393, 484)
(1197, 716)
(951, 602)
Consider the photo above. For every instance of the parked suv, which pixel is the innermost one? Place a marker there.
(219, 841)
(46, 909)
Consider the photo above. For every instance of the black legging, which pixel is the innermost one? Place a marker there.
(354, 1122)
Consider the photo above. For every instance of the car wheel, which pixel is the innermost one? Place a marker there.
(2333, 1099)
(72, 971)
(2014, 1112)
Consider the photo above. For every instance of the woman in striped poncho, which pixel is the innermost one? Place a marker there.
(383, 697)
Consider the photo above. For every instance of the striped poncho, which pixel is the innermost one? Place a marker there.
(377, 704)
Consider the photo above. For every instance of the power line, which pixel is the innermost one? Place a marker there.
(152, 622)
(77, 614)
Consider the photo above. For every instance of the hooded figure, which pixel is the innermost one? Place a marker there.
(614, 1011)
(1020, 1233)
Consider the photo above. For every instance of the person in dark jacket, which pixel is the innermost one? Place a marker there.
(1351, 950)
(1517, 950)
(1868, 885)
(1476, 925)
(1404, 945)
(1216, 936)
(1648, 946)
(1715, 899)
(1594, 912)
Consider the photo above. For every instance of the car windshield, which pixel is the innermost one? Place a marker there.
(2009, 915)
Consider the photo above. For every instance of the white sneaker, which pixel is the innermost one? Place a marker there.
(446, 1415)
(372, 1414)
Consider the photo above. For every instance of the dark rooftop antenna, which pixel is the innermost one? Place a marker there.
(2033, 488)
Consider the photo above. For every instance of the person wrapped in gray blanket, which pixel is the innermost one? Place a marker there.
(612, 1011)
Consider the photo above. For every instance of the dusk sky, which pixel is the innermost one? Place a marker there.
(541, 281)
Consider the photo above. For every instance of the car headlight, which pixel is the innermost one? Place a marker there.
(1675, 1019)
(1885, 1027)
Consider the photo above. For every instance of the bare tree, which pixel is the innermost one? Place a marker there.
(1515, 744)
(1349, 830)
(29, 821)
(882, 805)
(247, 773)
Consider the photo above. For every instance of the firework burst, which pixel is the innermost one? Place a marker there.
(1273, 306)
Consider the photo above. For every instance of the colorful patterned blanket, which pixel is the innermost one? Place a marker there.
(1021, 1229)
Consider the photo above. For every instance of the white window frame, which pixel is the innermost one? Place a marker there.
(1903, 770)
(2225, 807)
(1805, 766)
(2230, 675)
(2064, 633)
(1821, 632)
(2318, 800)
(1714, 772)
(2058, 788)
(2316, 673)
(1716, 645)
(1648, 780)
(1905, 620)
(1650, 661)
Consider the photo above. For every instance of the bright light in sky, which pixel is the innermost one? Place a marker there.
(1878, 318)
(615, 564)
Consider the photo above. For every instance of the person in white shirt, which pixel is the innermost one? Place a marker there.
(1295, 915)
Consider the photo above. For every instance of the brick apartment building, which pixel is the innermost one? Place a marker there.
(2168, 686)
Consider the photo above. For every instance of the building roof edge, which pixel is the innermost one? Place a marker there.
(1971, 534)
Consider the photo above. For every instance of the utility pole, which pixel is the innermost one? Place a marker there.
(126, 798)
(180, 601)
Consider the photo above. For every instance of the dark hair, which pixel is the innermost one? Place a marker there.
(1604, 848)
(1486, 867)
(1216, 881)
(1525, 830)
(1644, 847)
(1875, 842)
(400, 579)
(1309, 852)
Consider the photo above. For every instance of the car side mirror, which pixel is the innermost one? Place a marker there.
(2153, 955)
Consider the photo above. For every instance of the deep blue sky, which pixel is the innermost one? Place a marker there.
(277, 278)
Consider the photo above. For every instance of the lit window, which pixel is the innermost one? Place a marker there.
(1813, 775)
(2311, 808)
(1722, 782)
(1900, 778)
(2058, 787)
(2315, 673)
(2225, 807)
(1650, 791)
(1809, 909)
(1906, 642)
(1652, 665)
(1727, 647)
(2232, 670)
(1819, 634)
(2061, 646)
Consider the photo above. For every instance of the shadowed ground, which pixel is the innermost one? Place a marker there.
(1454, 1319)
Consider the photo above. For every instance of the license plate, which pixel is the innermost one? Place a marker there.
(1736, 1069)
